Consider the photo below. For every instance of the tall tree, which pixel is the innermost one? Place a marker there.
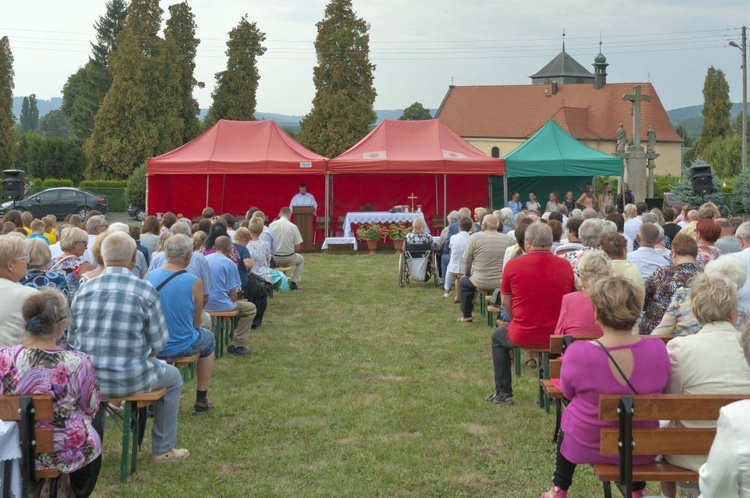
(716, 109)
(86, 88)
(342, 110)
(235, 94)
(54, 124)
(126, 128)
(179, 64)
(7, 135)
(415, 112)
(29, 114)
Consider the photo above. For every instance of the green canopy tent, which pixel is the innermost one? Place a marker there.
(552, 160)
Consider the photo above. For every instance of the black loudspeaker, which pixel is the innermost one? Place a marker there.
(14, 184)
(702, 180)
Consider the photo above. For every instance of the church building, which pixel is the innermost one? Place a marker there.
(497, 119)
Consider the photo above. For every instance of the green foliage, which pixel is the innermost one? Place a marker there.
(342, 110)
(683, 193)
(94, 184)
(54, 124)
(235, 94)
(7, 134)
(686, 137)
(135, 190)
(415, 112)
(54, 182)
(664, 183)
(46, 158)
(716, 109)
(741, 195)
(179, 61)
(29, 114)
(85, 89)
(724, 154)
(373, 231)
(133, 123)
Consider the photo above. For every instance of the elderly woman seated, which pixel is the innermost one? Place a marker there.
(711, 361)
(679, 318)
(73, 243)
(577, 310)
(618, 363)
(12, 294)
(40, 367)
(417, 234)
(37, 275)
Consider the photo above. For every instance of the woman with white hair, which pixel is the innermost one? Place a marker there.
(13, 262)
(679, 318)
(577, 310)
(73, 244)
(37, 277)
(709, 362)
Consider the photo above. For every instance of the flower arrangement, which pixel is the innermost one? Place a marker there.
(367, 231)
(398, 231)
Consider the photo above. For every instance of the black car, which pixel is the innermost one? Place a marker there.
(59, 202)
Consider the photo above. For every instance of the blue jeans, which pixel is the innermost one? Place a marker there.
(164, 434)
(203, 344)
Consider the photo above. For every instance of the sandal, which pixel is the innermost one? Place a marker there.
(465, 319)
(203, 407)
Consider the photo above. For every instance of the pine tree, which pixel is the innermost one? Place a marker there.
(29, 119)
(126, 129)
(7, 135)
(86, 88)
(716, 109)
(179, 63)
(235, 94)
(415, 112)
(342, 110)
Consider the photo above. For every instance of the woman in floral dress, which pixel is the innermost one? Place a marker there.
(39, 367)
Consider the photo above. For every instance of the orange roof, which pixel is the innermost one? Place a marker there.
(518, 111)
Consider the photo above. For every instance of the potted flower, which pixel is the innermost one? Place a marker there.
(371, 234)
(397, 233)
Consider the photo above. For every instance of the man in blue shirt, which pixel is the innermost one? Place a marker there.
(223, 296)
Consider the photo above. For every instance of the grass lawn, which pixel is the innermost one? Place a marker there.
(355, 387)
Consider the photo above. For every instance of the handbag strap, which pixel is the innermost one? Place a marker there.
(166, 280)
(622, 374)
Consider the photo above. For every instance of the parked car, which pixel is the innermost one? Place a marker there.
(60, 202)
(136, 213)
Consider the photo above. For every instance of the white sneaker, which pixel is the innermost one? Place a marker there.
(445, 294)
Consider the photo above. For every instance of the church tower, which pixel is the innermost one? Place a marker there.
(600, 69)
(563, 69)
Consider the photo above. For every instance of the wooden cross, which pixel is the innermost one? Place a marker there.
(636, 98)
(413, 198)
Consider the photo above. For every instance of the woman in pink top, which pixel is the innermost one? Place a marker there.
(591, 369)
(577, 310)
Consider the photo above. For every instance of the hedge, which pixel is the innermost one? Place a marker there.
(91, 184)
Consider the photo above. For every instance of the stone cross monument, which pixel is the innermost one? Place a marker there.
(650, 156)
(635, 156)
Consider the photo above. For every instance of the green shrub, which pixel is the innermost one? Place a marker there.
(135, 191)
(55, 182)
(740, 203)
(683, 192)
(93, 184)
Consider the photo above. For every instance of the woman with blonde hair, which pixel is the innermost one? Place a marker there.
(417, 234)
(37, 276)
(73, 244)
(13, 261)
(39, 366)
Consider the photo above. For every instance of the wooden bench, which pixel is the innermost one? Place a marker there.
(133, 421)
(627, 442)
(26, 411)
(223, 328)
(492, 311)
(186, 364)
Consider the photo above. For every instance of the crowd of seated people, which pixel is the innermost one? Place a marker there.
(107, 310)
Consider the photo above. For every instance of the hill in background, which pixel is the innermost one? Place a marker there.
(691, 118)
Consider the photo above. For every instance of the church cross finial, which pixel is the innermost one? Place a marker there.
(563, 39)
(600, 42)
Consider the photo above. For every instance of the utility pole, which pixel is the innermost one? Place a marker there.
(743, 49)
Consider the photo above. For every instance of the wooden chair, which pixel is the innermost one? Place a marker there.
(26, 411)
(626, 441)
(223, 328)
(133, 421)
(186, 364)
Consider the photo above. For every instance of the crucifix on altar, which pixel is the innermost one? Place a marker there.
(635, 157)
(412, 198)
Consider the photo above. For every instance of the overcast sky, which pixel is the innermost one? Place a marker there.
(418, 46)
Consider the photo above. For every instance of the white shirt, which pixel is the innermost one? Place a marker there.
(744, 292)
(287, 236)
(647, 259)
(727, 471)
(12, 324)
(306, 199)
(458, 243)
(631, 227)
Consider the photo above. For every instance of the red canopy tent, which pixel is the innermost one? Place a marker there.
(232, 166)
(401, 158)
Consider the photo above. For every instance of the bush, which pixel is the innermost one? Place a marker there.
(135, 190)
(683, 192)
(55, 182)
(93, 184)
(741, 196)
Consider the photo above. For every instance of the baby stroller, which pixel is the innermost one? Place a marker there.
(417, 262)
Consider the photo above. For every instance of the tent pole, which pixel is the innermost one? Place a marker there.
(445, 199)
(223, 190)
(505, 188)
(146, 206)
(328, 213)
(208, 179)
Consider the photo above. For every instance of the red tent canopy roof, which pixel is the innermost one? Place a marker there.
(414, 147)
(239, 148)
